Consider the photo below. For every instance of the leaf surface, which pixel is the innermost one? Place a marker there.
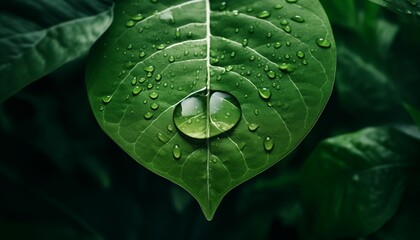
(210, 93)
(36, 37)
(408, 8)
(353, 184)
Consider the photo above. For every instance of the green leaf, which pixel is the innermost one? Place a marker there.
(352, 184)
(414, 112)
(209, 94)
(408, 8)
(36, 37)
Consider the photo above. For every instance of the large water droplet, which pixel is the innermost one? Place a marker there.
(130, 23)
(271, 74)
(286, 67)
(268, 143)
(265, 93)
(176, 151)
(322, 42)
(218, 114)
(154, 106)
(149, 69)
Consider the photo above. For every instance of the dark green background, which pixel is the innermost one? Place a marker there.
(61, 177)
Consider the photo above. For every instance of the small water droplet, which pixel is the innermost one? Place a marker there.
(171, 59)
(264, 14)
(271, 74)
(265, 93)
(300, 54)
(284, 22)
(277, 45)
(286, 67)
(170, 128)
(253, 127)
(101, 108)
(106, 99)
(142, 54)
(291, 1)
(161, 46)
(154, 106)
(162, 138)
(176, 151)
(189, 34)
(149, 69)
(150, 86)
(158, 77)
(130, 23)
(137, 90)
(256, 112)
(229, 68)
(268, 143)
(130, 46)
(269, 35)
(134, 81)
(153, 95)
(148, 115)
(278, 6)
(298, 18)
(137, 17)
(245, 42)
(323, 43)
(251, 29)
(287, 29)
(252, 58)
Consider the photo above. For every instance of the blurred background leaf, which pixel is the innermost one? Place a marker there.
(353, 184)
(36, 37)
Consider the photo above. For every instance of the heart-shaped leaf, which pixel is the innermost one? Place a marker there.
(210, 93)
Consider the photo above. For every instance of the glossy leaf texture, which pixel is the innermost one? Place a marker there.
(408, 8)
(353, 184)
(210, 93)
(36, 37)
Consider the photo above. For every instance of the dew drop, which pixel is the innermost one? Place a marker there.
(268, 143)
(153, 95)
(170, 128)
(229, 68)
(298, 18)
(291, 1)
(154, 106)
(300, 54)
(269, 35)
(265, 93)
(251, 29)
(277, 45)
(162, 138)
(106, 99)
(323, 43)
(278, 6)
(287, 29)
(137, 90)
(161, 46)
(137, 17)
(284, 22)
(148, 115)
(171, 59)
(130, 23)
(158, 77)
(223, 6)
(142, 54)
(149, 69)
(134, 81)
(264, 14)
(256, 112)
(176, 151)
(271, 74)
(101, 108)
(286, 67)
(253, 127)
(245, 42)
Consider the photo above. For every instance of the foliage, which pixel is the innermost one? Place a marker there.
(61, 177)
(198, 107)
